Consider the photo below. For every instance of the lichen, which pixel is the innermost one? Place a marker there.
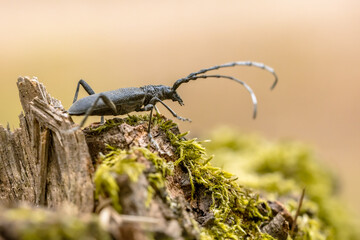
(281, 170)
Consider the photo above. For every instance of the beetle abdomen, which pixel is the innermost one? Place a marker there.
(126, 100)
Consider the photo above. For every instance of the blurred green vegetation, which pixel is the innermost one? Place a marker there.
(280, 170)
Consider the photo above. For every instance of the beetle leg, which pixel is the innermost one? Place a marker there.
(151, 107)
(155, 99)
(106, 100)
(86, 86)
(88, 89)
(148, 107)
(156, 109)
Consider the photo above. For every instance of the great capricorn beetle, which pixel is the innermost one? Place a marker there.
(127, 100)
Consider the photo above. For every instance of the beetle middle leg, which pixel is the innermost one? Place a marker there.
(106, 100)
(157, 110)
(88, 89)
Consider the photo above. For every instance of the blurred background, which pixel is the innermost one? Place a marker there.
(312, 45)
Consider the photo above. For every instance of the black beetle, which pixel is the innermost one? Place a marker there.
(126, 100)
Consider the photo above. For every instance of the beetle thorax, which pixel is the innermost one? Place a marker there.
(162, 92)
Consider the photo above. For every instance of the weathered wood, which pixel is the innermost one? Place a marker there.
(42, 162)
(46, 163)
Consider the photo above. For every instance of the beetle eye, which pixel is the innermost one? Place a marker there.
(177, 98)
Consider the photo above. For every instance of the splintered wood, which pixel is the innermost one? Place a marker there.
(42, 162)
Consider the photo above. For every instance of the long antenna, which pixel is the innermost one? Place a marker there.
(231, 64)
(247, 87)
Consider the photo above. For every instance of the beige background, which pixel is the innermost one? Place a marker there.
(313, 46)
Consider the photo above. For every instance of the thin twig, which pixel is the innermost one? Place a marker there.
(297, 212)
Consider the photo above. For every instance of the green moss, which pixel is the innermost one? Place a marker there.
(161, 165)
(107, 125)
(235, 208)
(132, 120)
(116, 162)
(40, 224)
(156, 182)
(280, 170)
(156, 179)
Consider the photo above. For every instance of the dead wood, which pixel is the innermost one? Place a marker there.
(42, 162)
(46, 163)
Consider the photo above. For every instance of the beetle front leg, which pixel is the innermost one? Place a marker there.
(155, 99)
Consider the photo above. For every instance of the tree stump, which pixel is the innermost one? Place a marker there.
(46, 163)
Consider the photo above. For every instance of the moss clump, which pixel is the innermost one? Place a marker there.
(160, 164)
(118, 162)
(235, 208)
(280, 170)
(25, 223)
(134, 120)
(156, 179)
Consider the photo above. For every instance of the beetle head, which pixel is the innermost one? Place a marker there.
(176, 98)
(169, 93)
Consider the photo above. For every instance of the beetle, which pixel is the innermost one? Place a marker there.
(138, 99)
